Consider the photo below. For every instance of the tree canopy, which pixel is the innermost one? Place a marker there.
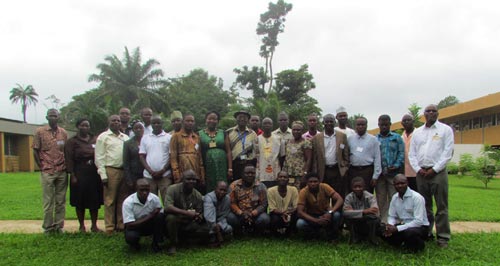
(25, 96)
(448, 101)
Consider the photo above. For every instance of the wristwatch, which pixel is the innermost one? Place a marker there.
(330, 211)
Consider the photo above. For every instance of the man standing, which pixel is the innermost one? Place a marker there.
(255, 124)
(216, 208)
(312, 121)
(176, 121)
(392, 158)
(241, 140)
(431, 148)
(248, 203)
(283, 131)
(109, 162)
(185, 151)
(269, 150)
(408, 124)
(364, 155)
(142, 216)
(48, 149)
(184, 209)
(331, 156)
(343, 119)
(154, 154)
(314, 210)
(407, 222)
(125, 127)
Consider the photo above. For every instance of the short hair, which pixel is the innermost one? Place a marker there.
(384, 118)
(81, 120)
(311, 175)
(329, 116)
(53, 110)
(212, 112)
(298, 123)
(358, 179)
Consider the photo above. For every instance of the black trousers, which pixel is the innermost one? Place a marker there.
(412, 238)
(154, 227)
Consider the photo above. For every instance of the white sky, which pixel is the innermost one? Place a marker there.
(372, 57)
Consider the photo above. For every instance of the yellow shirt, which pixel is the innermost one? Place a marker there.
(109, 151)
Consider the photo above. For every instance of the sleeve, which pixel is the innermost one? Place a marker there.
(377, 165)
(302, 197)
(418, 214)
(69, 156)
(447, 151)
(198, 205)
(100, 157)
(173, 159)
(128, 215)
(392, 214)
(37, 140)
(271, 200)
(412, 153)
(262, 199)
(142, 146)
(400, 160)
(169, 198)
(295, 197)
(234, 204)
(209, 211)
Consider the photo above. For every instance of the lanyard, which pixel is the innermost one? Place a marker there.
(242, 139)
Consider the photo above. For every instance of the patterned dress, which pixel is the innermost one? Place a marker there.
(213, 151)
(295, 159)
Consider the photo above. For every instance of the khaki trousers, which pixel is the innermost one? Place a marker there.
(159, 186)
(114, 194)
(384, 192)
(54, 188)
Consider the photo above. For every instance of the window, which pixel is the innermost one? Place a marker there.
(477, 123)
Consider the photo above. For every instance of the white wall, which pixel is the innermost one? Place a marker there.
(474, 149)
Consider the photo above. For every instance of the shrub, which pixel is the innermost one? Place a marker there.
(452, 168)
(484, 169)
(466, 163)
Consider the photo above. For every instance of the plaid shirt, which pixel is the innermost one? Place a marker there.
(392, 149)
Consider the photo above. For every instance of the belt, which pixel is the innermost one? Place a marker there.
(117, 168)
(187, 152)
(361, 167)
(332, 165)
(427, 168)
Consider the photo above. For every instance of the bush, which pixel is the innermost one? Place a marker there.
(484, 169)
(466, 163)
(452, 168)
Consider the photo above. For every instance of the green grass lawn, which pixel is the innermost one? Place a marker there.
(20, 198)
(92, 249)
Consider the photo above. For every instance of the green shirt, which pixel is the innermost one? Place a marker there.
(181, 200)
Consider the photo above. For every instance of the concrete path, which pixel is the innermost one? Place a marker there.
(34, 226)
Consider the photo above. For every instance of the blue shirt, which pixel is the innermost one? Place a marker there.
(392, 151)
(364, 151)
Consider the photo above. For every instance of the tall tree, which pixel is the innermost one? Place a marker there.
(448, 101)
(272, 22)
(129, 80)
(253, 79)
(414, 110)
(24, 95)
(292, 85)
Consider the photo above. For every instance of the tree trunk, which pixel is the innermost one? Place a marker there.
(270, 72)
(265, 73)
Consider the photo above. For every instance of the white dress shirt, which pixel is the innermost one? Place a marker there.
(330, 149)
(408, 211)
(431, 147)
(133, 209)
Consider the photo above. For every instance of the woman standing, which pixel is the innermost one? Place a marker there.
(215, 151)
(85, 182)
(298, 155)
(132, 166)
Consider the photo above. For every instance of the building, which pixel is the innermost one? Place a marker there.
(475, 123)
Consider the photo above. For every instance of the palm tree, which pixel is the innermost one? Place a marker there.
(128, 80)
(25, 96)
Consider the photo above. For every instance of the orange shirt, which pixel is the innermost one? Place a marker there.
(49, 144)
(316, 204)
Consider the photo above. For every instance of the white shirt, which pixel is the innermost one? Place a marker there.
(157, 150)
(347, 131)
(133, 209)
(431, 147)
(330, 148)
(409, 210)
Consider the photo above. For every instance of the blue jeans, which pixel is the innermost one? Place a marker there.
(310, 229)
(260, 223)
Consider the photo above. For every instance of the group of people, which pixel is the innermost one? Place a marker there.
(249, 178)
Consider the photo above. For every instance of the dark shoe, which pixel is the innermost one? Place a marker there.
(155, 247)
(442, 243)
(171, 251)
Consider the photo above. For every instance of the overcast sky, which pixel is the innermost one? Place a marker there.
(372, 57)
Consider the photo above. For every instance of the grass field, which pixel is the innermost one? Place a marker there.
(20, 199)
(91, 249)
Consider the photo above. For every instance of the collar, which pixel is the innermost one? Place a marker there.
(255, 183)
(48, 128)
(236, 128)
(407, 194)
(326, 136)
(184, 134)
(109, 132)
(162, 133)
(137, 201)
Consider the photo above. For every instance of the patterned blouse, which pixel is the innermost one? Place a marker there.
(295, 157)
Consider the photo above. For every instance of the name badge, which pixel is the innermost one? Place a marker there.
(60, 142)
(342, 146)
(436, 137)
(196, 146)
(359, 149)
(212, 144)
(93, 146)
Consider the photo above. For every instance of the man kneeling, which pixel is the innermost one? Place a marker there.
(407, 222)
(216, 208)
(142, 216)
(314, 209)
(184, 209)
(361, 213)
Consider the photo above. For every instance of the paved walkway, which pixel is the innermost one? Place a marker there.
(34, 226)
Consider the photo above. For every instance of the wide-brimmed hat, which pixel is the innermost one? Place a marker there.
(242, 112)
